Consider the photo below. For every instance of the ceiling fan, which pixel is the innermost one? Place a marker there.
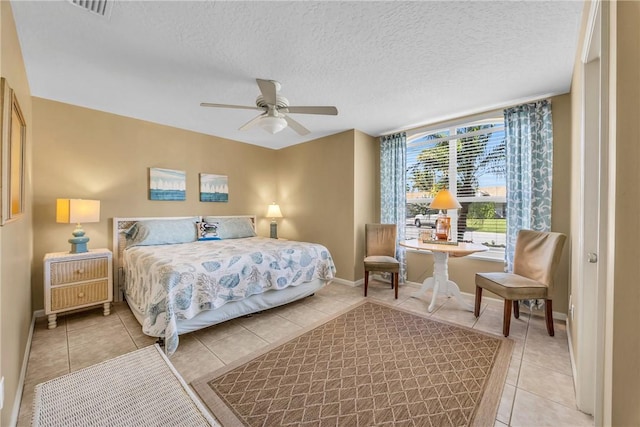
(276, 109)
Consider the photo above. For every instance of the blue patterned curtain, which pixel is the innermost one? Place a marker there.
(393, 192)
(529, 142)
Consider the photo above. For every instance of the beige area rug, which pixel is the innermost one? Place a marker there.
(372, 364)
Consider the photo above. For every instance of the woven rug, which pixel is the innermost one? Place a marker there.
(141, 388)
(372, 364)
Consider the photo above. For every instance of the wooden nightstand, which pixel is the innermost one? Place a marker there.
(73, 281)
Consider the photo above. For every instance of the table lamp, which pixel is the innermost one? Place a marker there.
(69, 211)
(443, 201)
(274, 212)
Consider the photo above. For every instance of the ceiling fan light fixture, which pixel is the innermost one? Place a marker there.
(273, 124)
(275, 110)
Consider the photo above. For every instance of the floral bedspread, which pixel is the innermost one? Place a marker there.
(172, 282)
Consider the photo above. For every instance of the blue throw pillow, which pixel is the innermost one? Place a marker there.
(162, 232)
(235, 228)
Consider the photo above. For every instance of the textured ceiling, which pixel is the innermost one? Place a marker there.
(385, 65)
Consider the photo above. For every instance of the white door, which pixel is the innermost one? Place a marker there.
(590, 295)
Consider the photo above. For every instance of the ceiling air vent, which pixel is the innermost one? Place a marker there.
(99, 7)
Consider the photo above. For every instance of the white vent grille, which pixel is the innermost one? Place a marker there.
(99, 7)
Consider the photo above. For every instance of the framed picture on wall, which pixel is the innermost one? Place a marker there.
(14, 137)
(214, 188)
(167, 184)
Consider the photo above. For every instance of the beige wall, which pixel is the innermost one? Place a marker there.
(82, 153)
(327, 189)
(315, 182)
(366, 177)
(15, 237)
(462, 270)
(626, 225)
(561, 197)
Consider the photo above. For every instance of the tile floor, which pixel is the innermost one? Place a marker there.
(538, 391)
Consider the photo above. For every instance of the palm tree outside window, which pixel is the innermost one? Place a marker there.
(468, 159)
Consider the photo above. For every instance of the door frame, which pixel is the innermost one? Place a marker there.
(593, 221)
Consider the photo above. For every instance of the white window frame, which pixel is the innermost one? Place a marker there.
(494, 254)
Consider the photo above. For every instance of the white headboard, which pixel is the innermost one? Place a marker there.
(121, 225)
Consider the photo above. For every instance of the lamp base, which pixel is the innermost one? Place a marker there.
(79, 241)
(78, 245)
(443, 226)
(274, 230)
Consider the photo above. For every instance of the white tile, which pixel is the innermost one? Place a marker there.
(506, 404)
(91, 317)
(417, 305)
(550, 352)
(491, 320)
(325, 305)
(217, 332)
(344, 293)
(452, 312)
(540, 364)
(514, 371)
(301, 315)
(548, 383)
(193, 360)
(270, 327)
(532, 410)
(93, 344)
(235, 346)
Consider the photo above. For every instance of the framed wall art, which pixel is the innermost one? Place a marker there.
(14, 137)
(167, 184)
(214, 188)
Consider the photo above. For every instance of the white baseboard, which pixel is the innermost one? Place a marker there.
(39, 313)
(15, 411)
(347, 282)
(413, 284)
(572, 358)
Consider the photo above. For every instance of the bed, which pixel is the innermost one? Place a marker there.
(176, 282)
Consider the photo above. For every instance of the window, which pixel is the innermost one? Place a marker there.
(468, 159)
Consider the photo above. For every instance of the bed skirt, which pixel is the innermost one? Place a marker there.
(231, 310)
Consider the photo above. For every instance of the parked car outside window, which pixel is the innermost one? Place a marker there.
(427, 219)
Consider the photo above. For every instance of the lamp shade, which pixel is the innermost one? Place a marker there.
(77, 211)
(445, 200)
(274, 211)
(273, 124)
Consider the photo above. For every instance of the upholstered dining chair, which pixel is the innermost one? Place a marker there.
(380, 252)
(534, 265)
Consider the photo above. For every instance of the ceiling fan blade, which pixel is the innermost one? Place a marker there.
(301, 130)
(251, 123)
(329, 111)
(239, 107)
(268, 90)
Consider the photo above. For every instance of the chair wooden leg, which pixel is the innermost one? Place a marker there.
(366, 282)
(476, 309)
(392, 280)
(506, 323)
(395, 275)
(548, 315)
(516, 309)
